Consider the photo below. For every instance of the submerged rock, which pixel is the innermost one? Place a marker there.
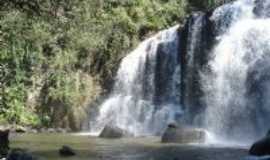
(4, 142)
(174, 134)
(113, 132)
(67, 151)
(20, 154)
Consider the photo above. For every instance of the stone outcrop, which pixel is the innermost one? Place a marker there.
(174, 134)
(66, 151)
(261, 147)
(113, 132)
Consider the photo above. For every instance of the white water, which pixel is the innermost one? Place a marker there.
(243, 51)
(146, 93)
(131, 106)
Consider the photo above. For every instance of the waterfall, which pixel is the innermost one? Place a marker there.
(213, 72)
(145, 95)
(237, 88)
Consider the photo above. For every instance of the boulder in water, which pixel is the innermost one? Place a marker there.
(174, 134)
(261, 147)
(20, 154)
(113, 132)
(66, 151)
(172, 125)
(4, 142)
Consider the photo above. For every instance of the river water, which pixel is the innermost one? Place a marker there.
(46, 147)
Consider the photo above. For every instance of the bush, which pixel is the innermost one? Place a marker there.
(58, 56)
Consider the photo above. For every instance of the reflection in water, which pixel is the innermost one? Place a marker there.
(150, 148)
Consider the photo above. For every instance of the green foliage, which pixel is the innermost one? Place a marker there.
(14, 109)
(58, 56)
(17, 56)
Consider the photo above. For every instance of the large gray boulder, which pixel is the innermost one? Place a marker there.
(113, 132)
(261, 147)
(174, 134)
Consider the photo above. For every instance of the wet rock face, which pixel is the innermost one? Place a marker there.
(261, 147)
(183, 135)
(197, 39)
(262, 8)
(258, 90)
(113, 132)
(4, 142)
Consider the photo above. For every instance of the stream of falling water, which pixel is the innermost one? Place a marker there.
(237, 90)
(234, 80)
(145, 96)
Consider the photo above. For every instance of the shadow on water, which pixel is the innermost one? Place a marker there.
(91, 148)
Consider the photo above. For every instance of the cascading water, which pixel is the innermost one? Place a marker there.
(145, 96)
(237, 88)
(213, 72)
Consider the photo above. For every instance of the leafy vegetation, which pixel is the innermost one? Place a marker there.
(58, 56)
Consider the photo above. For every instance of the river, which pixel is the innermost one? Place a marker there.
(88, 147)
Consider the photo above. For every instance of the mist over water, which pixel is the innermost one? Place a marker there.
(212, 73)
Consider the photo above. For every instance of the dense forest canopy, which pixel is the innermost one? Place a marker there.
(58, 56)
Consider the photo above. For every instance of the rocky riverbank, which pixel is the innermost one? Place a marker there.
(27, 129)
